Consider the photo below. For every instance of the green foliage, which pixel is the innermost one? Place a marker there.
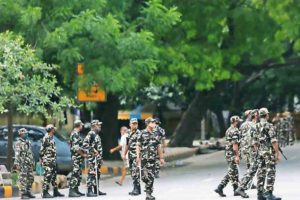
(26, 82)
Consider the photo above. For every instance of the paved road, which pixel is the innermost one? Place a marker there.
(199, 176)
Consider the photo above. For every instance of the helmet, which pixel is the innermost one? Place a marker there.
(149, 119)
(247, 112)
(263, 111)
(22, 131)
(235, 118)
(96, 122)
(50, 127)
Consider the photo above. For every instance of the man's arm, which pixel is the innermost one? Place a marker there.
(160, 154)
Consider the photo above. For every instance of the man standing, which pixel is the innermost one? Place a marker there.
(48, 160)
(121, 148)
(148, 146)
(24, 163)
(92, 144)
(131, 149)
(161, 136)
(77, 157)
(245, 139)
(232, 157)
(268, 156)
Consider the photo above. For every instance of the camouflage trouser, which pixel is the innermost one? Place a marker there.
(134, 171)
(26, 178)
(232, 174)
(76, 173)
(248, 177)
(91, 179)
(157, 166)
(148, 170)
(267, 170)
(49, 175)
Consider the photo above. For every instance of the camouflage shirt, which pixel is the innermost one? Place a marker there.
(23, 153)
(131, 142)
(265, 135)
(247, 131)
(160, 133)
(148, 144)
(92, 142)
(76, 143)
(232, 137)
(48, 149)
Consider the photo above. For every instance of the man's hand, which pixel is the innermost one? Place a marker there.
(138, 161)
(278, 157)
(124, 157)
(162, 161)
(237, 160)
(96, 153)
(111, 151)
(41, 162)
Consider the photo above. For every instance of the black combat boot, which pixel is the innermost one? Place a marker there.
(269, 196)
(242, 192)
(131, 193)
(149, 197)
(235, 187)
(219, 190)
(73, 193)
(90, 192)
(99, 192)
(30, 195)
(25, 195)
(137, 190)
(46, 195)
(56, 193)
(78, 192)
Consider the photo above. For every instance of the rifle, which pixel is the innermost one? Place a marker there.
(280, 150)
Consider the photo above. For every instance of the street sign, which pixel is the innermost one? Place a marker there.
(94, 94)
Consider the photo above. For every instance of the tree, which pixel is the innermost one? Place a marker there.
(27, 84)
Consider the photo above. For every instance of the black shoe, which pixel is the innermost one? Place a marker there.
(30, 195)
(91, 193)
(46, 195)
(270, 196)
(150, 197)
(253, 187)
(56, 193)
(156, 176)
(235, 187)
(136, 191)
(73, 193)
(241, 192)
(261, 197)
(99, 192)
(219, 190)
(78, 192)
(25, 195)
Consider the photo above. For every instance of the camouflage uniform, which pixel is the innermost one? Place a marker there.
(25, 162)
(245, 142)
(160, 135)
(251, 171)
(48, 156)
(264, 137)
(134, 168)
(148, 144)
(76, 145)
(232, 137)
(291, 130)
(92, 143)
(284, 131)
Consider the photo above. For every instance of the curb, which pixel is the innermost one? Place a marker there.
(116, 171)
(9, 191)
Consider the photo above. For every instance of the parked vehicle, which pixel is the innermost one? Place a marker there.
(36, 134)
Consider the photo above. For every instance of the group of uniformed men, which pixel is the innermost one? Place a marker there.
(256, 142)
(144, 148)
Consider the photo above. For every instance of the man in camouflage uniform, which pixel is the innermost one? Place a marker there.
(245, 139)
(48, 160)
(268, 155)
(232, 157)
(78, 156)
(291, 130)
(92, 145)
(148, 146)
(161, 136)
(251, 171)
(277, 127)
(284, 130)
(24, 163)
(131, 149)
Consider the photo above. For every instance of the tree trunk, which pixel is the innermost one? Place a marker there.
(189, 124)
(107, 112)
(221, 123)
(9, 161)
